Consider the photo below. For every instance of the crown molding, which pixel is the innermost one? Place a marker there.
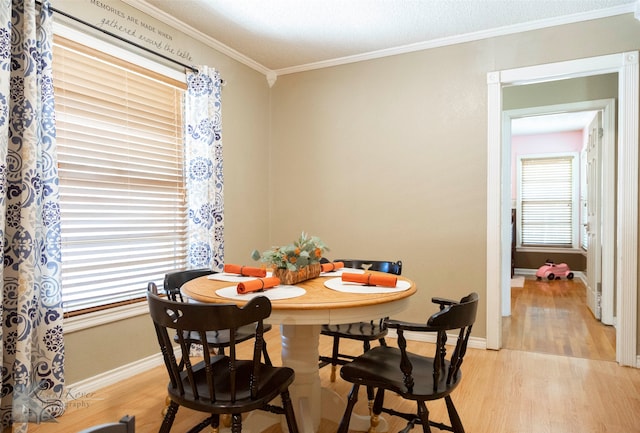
(162, 16)
(272, 75)
(468, 37)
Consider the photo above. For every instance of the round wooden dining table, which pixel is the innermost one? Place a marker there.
(300, 319)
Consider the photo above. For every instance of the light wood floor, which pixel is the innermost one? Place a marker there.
(506, 391)
(552, 317)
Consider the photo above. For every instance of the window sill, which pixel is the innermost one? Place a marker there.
(550, 250)
(103, 317)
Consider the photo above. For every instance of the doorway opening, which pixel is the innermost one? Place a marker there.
(565, 317)
(626, 215)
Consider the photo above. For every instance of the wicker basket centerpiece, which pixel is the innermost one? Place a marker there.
(295, 262)
(291, 277)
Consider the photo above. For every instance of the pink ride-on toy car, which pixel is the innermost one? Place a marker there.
(551, 271)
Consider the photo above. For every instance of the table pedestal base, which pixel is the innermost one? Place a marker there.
(311, 402)
(300, 352)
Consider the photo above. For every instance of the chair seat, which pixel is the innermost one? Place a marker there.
(217, 339)
(379, 368)
(362, 331)
(272, 382)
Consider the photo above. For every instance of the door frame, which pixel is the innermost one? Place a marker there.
(608, 109)
(499, 203)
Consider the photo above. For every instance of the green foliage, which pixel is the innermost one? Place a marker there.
(302, 252)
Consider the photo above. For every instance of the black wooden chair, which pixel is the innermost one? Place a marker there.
(411, 376)
(216, 340)
(361, 331)
(218, 384)
(126, 425)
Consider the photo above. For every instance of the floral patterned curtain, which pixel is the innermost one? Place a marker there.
(30, 302)
(203, 167)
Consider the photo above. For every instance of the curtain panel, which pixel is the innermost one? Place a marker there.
(203, 167)
(30, 303)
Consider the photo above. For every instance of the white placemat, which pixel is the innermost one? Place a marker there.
(339, 272)
(342, 286)
(232, 278)
(275, 293)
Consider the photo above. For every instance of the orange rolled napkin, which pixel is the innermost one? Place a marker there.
(334, 266)
(245, 270)
(257, 285)
(371, 279)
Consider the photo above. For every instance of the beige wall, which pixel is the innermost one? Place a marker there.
(387, 158)
(561, 92)
(381, 159)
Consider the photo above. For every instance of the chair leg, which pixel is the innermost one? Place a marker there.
(376, 410)
(423, 413)
(343, 427)
(167, 422)
(456, 424)
(289, 414)
(370, 395)
(167, 402)
(236, 423)
(366, 346)
(215, 423)
(334, 358)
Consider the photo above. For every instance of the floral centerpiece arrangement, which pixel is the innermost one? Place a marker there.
(295, 262)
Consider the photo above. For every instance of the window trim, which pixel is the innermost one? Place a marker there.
(110, 48)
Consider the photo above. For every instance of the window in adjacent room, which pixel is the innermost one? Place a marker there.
(547, 201)
(119, 135)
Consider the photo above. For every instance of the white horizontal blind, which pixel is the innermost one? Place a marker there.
(546, 201)
(119, 135)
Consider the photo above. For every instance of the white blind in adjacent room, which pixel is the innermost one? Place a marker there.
(119, 135)
(547, 201)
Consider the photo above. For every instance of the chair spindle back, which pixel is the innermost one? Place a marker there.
(200, 318)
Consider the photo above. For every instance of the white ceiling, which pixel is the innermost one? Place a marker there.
(278, 37)
(282, 36)
(560, 122)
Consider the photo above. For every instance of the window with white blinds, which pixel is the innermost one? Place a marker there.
(547, 201)
(119, 135)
